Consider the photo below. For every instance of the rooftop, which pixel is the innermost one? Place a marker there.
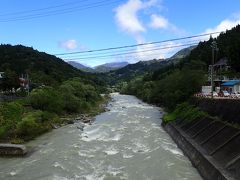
(231, 83)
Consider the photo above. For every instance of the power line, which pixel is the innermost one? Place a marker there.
(135, 45)
(41, 9)
(135, 52)
(60, 11)
(124, 50)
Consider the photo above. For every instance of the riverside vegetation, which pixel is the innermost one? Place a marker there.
(176, 83)
(58, 92)
(25, 119)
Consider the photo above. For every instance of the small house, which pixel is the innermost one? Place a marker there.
(232, 86)
(221, 65)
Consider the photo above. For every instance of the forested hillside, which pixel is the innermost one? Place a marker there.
(140, 68)
(175, 83)
(228, 44)
(41, 67)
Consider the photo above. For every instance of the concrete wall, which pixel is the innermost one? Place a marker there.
(12, 150)
(212, 146)
(226, 109)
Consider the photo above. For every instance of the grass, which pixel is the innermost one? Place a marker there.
(185, 112)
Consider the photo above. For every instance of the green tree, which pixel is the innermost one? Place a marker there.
(10, 80)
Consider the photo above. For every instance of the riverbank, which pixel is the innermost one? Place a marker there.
(46, 108)
(212, 146)
(44, 122)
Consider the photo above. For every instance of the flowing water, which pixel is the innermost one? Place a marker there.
(125, 143)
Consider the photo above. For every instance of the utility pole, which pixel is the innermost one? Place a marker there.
(214, 48)
(28, 84)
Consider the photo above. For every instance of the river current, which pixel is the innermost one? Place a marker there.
(126, 142)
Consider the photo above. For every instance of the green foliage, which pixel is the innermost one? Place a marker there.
(185, 112)
(10, 80)
(46, 99)
(32, 124)
(35, 123)
(78, 97)
(47, 103)
(12, 111)
(72, 96)
(169, 90)
(55, 92)
(228, 44)
(10, 115)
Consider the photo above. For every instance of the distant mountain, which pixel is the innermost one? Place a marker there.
(110, 66)
(101, 68)
(142, 67)
(183, 53)
(80, 66)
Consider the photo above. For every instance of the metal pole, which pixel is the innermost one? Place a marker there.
(28, 84)
(214, 47)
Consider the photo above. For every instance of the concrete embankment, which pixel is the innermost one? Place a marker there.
(226, 109)
(212, 146)
(12, 150)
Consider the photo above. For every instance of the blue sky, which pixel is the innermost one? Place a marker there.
(80, 25)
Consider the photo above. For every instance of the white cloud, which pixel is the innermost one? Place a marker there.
(224, 25)
(133, 17)
(127, 16)
(68, 44)
(158, 22)
(150, 52)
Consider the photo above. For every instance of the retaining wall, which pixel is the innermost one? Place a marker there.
(212, 146)
(12, 150)
(225, 109)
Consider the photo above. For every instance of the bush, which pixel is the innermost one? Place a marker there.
(33, 124)
(185, 112)
(10, 114)
(12, 111)
(46, 99)
(78, 97)
(2, 131)
(85, 106)
(72, 104)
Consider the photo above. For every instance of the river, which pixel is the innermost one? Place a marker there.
(126, 142)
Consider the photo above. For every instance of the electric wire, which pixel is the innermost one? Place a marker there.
(135, 52)
(125, 50)
(61, 11)
(136, 45)
(41, 9)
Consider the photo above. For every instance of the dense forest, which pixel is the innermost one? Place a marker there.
(228, 46)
